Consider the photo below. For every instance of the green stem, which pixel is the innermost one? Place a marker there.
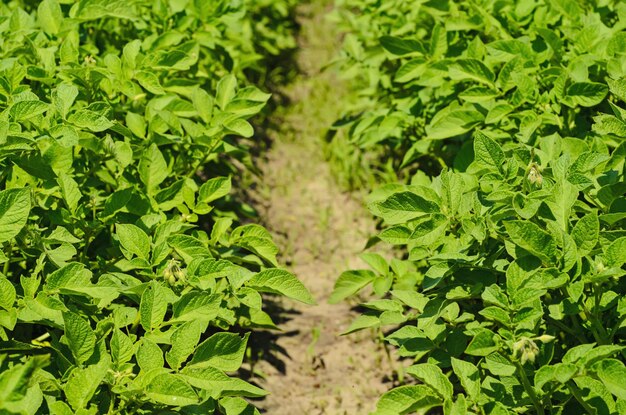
(529, 388)
(579, 397)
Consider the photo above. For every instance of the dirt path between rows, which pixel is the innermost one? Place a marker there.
(320, 230)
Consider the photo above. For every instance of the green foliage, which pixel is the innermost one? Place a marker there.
(506, 119)
(124, 266)
(427, 74)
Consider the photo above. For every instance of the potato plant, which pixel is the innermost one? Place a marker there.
(507, 120)
(128, 284)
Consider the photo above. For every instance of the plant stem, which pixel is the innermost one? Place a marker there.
(529, 388)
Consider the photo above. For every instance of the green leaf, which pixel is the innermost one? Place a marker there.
(587, 94)
(488, 152)
(586, 232)
(90, 120)
(133, 240)
(153, 306)
(226, 89)
(214, 189)
(400, 47)
(281, 282)
(240, 127)
(64, 97)
(184, 341)
(404, 206)
(217, 384)
(616, 253)
(471, 69)
(224, 351)
(469, 376)
(24, 110)
(450, 122)
(172, 390)
(14, 211)
(50, 16)
(533, 239)
(433, 376)
(83, 383)
(70, 190)
(80, 337)
(153, 169)
(406, 399)
(197, 306)
(349, 283)
(7, 293)
(483, 344)
(612, 373)
(149, 355)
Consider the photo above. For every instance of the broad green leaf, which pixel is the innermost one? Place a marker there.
(7, 293)
(586, 232)
(587, 94)
(450, 122)
(149, 355)
(281, 282)
(407, 399)
(217, 384)
(433, 376)
(224, 351)
(469, 376)
(612, 373)
(240, 127)
(50, 16)
(214, 189)
(184, 341)
(197, 306)
(14, 381)
(471, 69)
(483, 344)
(24, 110)
(153, 169)
(81, 339)
(122, 348)
(616, 253)
(172, 390)
(90, 120)
(488, 152)
(153, 306)
(226, 89)
(398, 46)
(83, 383)
(133, 240)
(404, 206)
(70, 190)
(533, 239)
(349, 283)
(14, 211)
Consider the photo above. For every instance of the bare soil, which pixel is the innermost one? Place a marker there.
(309, 368)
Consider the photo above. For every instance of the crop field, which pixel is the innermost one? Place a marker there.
(317, 207)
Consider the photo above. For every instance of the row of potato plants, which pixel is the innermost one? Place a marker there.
(128, 284)
(506, 123)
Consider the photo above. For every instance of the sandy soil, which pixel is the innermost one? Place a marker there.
(310, 368)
